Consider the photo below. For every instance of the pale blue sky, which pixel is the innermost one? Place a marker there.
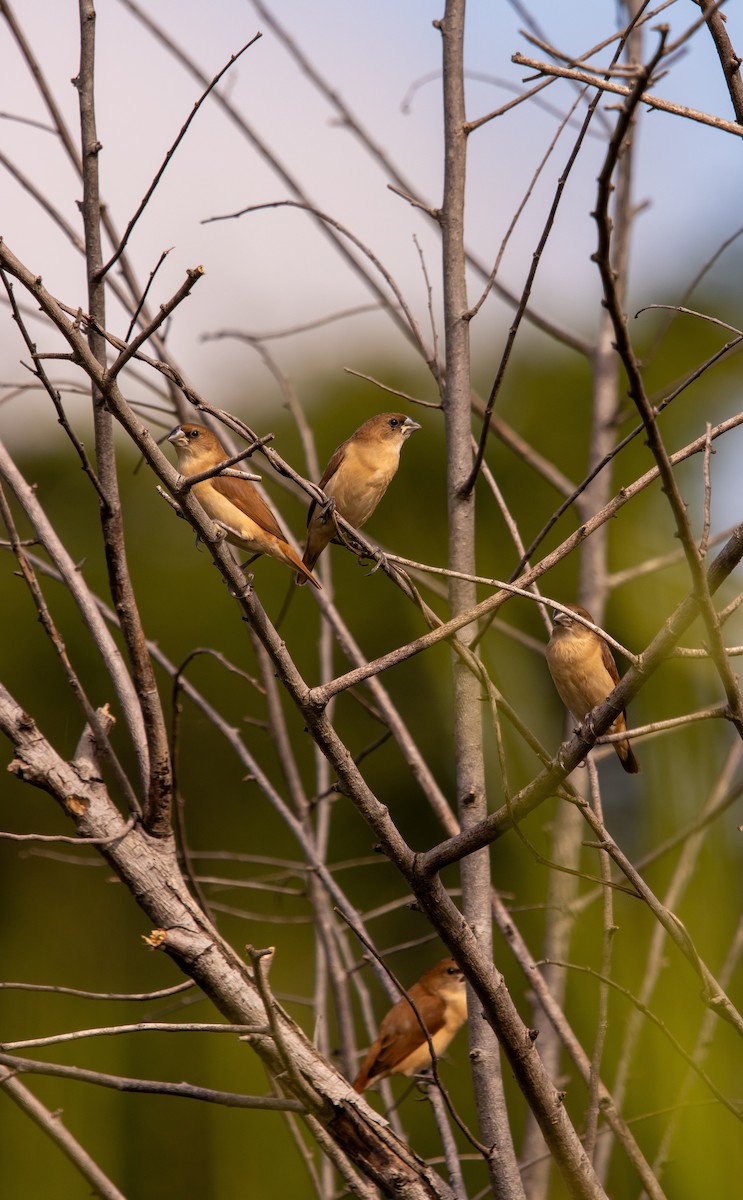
(273, 269)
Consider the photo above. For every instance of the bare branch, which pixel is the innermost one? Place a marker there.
(619, 89)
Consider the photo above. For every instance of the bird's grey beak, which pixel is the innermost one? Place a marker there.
(177, 437)
(560, 618)
(409, 426)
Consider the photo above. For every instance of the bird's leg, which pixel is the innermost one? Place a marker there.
(561, 761)
(346, 539)
(380, 560)
(327, 512)
(589, 725)
(243, 591)
(424, 1078)
(250, 560)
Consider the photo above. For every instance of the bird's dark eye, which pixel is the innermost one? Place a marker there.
(452, 970)
(394, 423)
(193, 433)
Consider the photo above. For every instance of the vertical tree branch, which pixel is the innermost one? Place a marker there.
(470, 768)
(157, 802)
(592, 594)
(729, 60)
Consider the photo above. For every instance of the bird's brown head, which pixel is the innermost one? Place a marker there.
(444, 979)
(195, 441)
(566, 621)
(393, 427)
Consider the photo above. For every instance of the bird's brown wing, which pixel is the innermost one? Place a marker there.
(400, 1034)
(384, 1055)
(623, 749)
(608, 660)
(328, 474)
(333, 465)
(244, 496)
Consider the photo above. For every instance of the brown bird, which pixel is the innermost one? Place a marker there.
(233, 504)
(401, 1048)
(584, 672)
(356, 478)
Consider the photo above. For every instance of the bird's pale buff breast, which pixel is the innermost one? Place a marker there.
(376, 465)
(581, 679)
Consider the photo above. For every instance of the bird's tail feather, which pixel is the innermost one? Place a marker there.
(627, 758)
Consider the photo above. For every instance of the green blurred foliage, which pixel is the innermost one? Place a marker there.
(67, 922)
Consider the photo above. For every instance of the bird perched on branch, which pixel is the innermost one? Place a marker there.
(401, 1047)
(355, 480)
(233, 504)
(584, 672)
